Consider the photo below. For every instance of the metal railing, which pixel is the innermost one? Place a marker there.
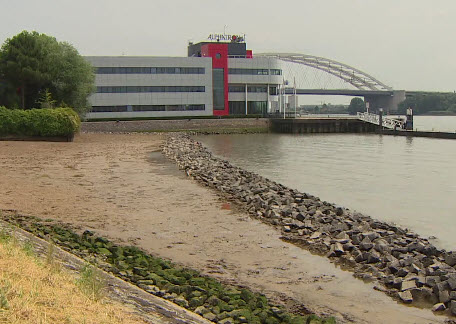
(388, 122)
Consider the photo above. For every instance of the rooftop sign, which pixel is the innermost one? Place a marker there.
(226, 38)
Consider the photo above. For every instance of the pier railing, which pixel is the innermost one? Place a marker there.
(387, 122)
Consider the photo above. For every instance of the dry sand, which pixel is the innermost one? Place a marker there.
(117, 186)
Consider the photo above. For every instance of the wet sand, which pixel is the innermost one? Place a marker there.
(115, 184)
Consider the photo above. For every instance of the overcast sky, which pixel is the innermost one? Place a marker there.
(407, 44)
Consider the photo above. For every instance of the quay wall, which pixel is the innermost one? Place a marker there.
(322, 125)
(403, 264)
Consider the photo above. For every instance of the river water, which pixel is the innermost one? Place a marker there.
(408, 181)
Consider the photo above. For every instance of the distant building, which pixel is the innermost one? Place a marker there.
(216, 79)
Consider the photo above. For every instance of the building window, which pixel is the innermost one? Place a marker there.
(138, 89)
(258, 89)
(276, 72)
(218, 56)
(253, 107)
(249, 71)
(250, 88)
(236, 107)
(109, 108)
(273, 91)
(257, 107)
(218, 88)
(150, 70)
(236, 88)
(168, 107)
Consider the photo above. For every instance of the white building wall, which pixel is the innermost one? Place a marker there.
(152, 98)
(176, 98)
(245, 79)
(254, 63)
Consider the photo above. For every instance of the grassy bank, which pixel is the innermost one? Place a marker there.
(34, 290)
(206, 296)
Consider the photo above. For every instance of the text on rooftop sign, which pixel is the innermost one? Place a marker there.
(223, 37)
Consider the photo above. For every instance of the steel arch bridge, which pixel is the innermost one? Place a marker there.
(351, 75)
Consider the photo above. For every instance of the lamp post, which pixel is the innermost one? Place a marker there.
(285, 82)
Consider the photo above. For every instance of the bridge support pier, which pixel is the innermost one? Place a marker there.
(388, 103)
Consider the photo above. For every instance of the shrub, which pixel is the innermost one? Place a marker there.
(39, 122)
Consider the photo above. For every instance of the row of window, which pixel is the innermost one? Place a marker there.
(148, 108)
(257, 89)
(150, 70)
(180, 70)
(255, 71)
(241, 88)
(138, 89)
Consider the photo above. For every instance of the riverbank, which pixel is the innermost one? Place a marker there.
(113, 185)
(78, 291)
(202, 126)
(29, 286)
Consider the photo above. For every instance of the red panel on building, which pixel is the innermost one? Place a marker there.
(248, 54)
(219, 54)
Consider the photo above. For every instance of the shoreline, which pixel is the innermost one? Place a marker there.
(407, 266)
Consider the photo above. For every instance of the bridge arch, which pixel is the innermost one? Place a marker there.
(351, 75)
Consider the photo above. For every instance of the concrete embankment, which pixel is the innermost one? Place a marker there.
(210, 126)
(406, 266)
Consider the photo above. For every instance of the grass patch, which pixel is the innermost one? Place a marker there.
(185, 287)
(90, 283)
(31, 292)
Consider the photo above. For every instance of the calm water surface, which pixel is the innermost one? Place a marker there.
(409, 181)
(435, 123)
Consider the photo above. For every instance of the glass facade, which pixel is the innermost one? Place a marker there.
(109, 108)
(249, 71)
(273, 91)
(218, 88)
(257, 107)
(276, 72)
(150, 70)
(255, 71)
(253, 107)
(253, 88)
(139, 89)
(236, 107)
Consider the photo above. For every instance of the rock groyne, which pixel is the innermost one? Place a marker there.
(406, 266)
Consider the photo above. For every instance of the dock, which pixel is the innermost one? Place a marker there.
(322, 125)
(345, 124)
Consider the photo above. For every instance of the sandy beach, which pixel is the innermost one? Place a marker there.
(120, 186)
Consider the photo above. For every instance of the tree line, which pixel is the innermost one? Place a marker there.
(425, 103)
(37, 71)
(443, 103)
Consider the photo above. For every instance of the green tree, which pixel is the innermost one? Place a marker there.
(356, 105)
(45, 100)
(31, 62)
